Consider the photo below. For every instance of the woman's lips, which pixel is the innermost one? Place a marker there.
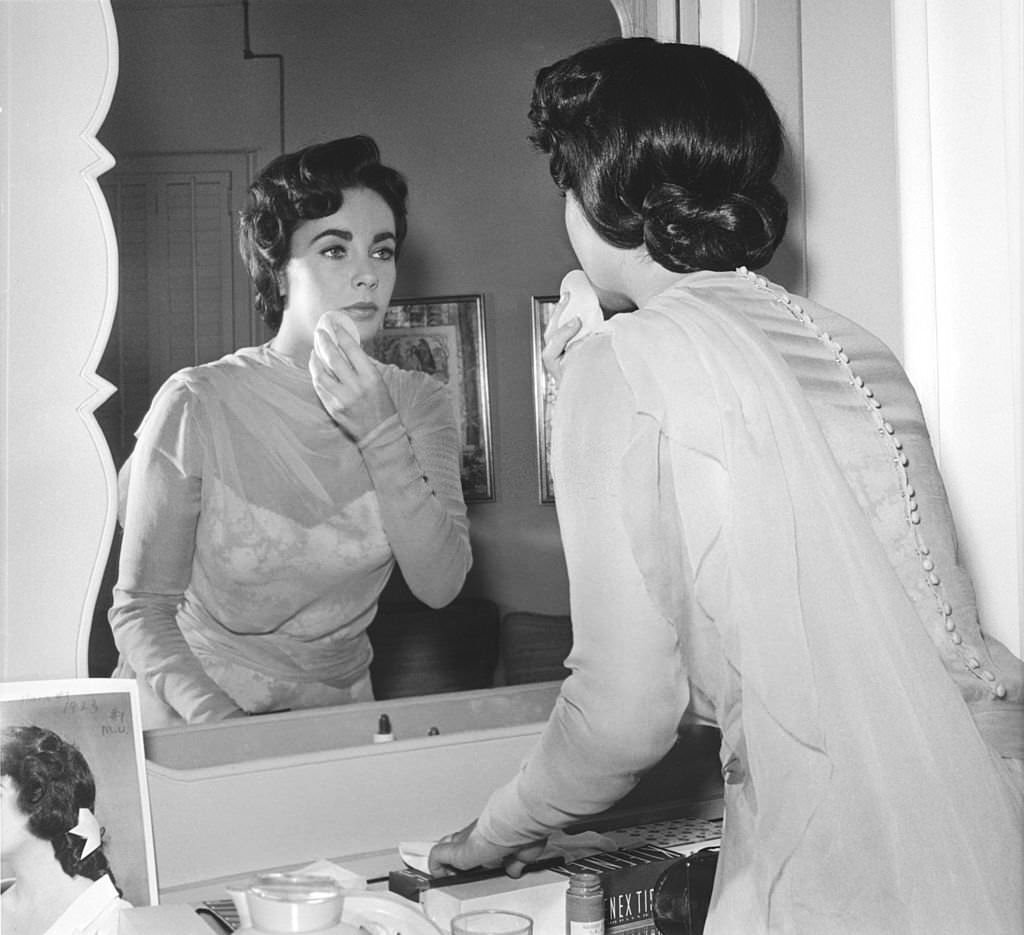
(360, 310)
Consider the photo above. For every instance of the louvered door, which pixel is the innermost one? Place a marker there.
(183, 296)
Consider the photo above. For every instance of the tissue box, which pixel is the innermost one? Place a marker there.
(629, 877)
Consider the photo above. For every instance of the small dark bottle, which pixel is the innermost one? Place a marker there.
(384, 733)
(584, 905)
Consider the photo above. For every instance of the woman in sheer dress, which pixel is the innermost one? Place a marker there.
(271, 492)
(757, 537)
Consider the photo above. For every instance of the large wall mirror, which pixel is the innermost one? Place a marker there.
(211, 90)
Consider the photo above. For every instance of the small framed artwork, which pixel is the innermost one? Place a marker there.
(444, 337)
(543, 395)
(101, 718)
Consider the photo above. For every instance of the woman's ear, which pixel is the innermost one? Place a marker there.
(282, 283)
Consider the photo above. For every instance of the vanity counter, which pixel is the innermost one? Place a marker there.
(236, 797)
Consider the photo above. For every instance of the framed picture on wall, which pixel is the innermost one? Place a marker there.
(101, 718)
(543, 395)
(444, 337)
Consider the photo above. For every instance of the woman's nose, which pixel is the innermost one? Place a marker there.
(365, 279)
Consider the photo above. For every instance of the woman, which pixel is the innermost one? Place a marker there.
(271, 492)
(757, 537)
(51, 840)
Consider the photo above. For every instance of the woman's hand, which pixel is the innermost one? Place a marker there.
(348, 382)
(556, 339)
(466, 850)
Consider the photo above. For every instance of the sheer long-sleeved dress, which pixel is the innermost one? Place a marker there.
(258, 536)
(757, 536)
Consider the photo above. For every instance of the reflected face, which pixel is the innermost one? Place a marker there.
(344, 262)
(600, 260)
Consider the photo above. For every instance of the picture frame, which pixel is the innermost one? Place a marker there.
(544, 392)
(102, 718)
(444, 336)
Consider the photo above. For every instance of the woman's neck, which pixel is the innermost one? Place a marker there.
(41, 892)
(291, 347)
(646, 278)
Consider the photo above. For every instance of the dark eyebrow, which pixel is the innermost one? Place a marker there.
(347, 235)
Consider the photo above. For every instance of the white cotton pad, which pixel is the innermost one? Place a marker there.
(582, 304)
(332, 321)
(416, 854)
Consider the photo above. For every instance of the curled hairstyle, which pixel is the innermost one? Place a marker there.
(670, 146)
(53, 782)
(303, 186)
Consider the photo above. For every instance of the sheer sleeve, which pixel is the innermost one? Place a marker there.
(414, 463)
(619, 710)
(160, 494)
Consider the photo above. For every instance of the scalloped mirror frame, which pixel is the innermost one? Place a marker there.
(59, 271)
(60, 277)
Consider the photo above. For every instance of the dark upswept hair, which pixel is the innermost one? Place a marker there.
(303, 186)
(53, 781)
(670, 146)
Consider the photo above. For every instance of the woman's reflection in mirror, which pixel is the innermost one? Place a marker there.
(271, 492)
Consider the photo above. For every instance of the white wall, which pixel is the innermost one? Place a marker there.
(960, 119)
(850, 171)
(912, 129)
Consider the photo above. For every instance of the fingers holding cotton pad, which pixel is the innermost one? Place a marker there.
(582, 304)
(416, 854)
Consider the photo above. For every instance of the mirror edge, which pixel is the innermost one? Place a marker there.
(59, 480)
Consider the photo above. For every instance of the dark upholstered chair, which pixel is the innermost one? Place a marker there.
(534, 647)
(420, 651)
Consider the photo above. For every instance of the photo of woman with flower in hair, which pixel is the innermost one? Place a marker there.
(75, 835)
(52, 840)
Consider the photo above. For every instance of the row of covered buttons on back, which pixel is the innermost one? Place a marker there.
(901, 462)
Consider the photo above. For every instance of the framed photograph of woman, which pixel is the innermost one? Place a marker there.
(444, 337)
(99, 717)
(543, 395)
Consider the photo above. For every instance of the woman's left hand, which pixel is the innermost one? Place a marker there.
(348, 382)
(467, 849)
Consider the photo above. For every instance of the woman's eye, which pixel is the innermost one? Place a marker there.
(384, 253)
(334, 252)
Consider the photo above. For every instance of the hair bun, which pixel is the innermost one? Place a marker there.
(685, 231)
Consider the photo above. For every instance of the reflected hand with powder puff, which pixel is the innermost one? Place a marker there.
(348, 381)
(557, 339)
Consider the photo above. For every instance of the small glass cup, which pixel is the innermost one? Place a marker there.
(492, 922)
